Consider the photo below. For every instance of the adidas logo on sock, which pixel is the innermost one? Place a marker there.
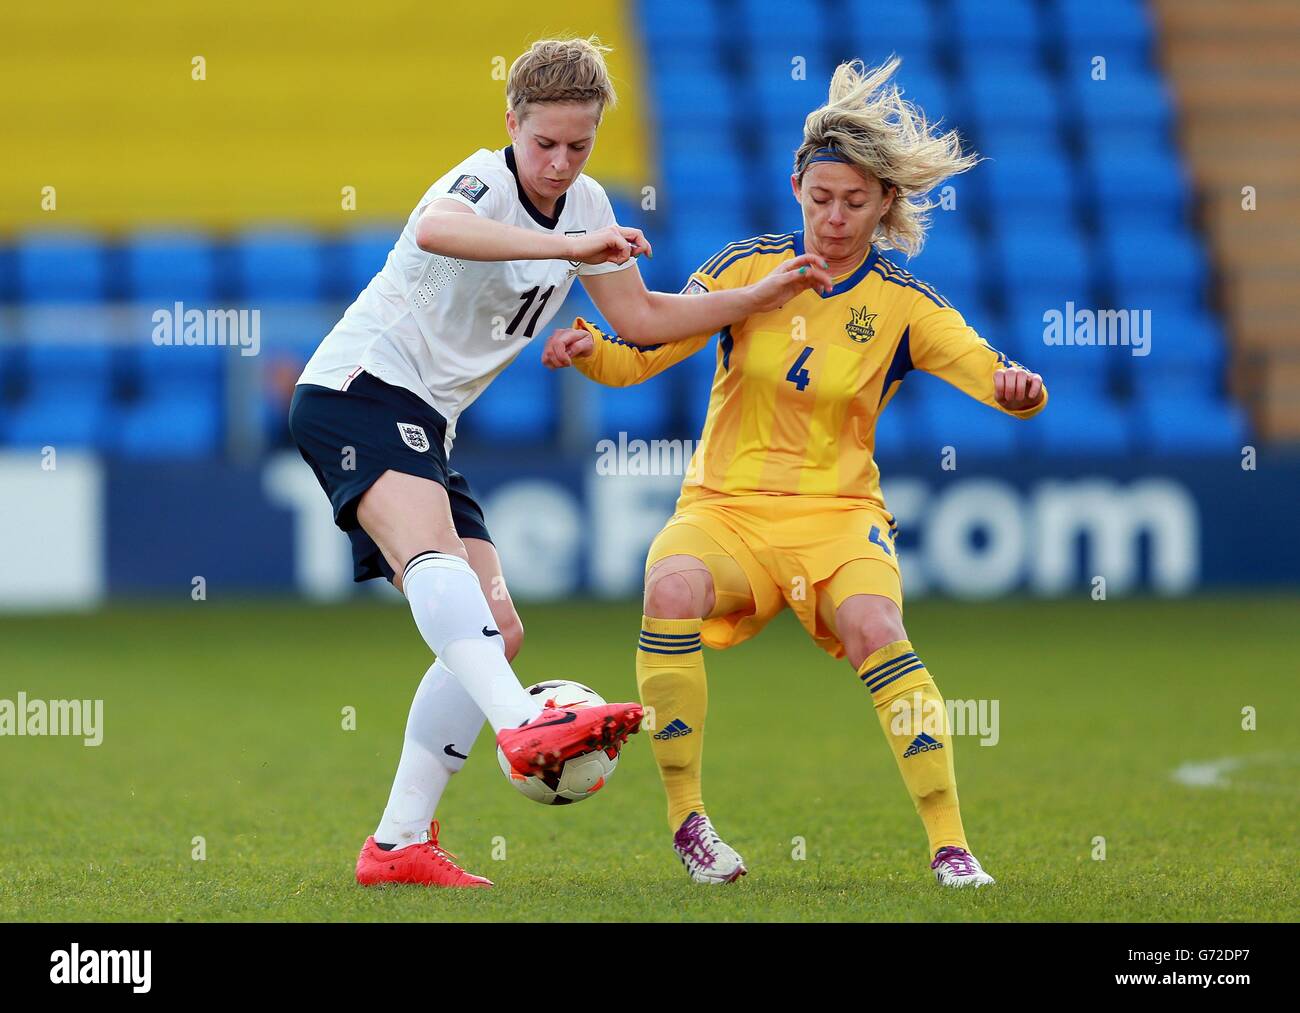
(675, 730)
(922, 744)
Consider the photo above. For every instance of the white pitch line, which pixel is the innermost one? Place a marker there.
(1216, 773)
(1207, 775)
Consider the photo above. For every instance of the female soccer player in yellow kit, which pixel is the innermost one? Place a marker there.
(781, 504)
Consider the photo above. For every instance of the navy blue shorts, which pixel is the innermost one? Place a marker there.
(351, 437)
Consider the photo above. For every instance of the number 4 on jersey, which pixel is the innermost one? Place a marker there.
(799, 375)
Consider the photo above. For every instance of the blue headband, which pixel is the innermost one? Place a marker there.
(835, 155)
(825, 155)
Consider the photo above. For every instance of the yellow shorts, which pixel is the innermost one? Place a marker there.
(808, 552)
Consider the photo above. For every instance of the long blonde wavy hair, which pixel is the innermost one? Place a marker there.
(869, 124)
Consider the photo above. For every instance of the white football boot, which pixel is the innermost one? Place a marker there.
(708, 859)
(957, 867)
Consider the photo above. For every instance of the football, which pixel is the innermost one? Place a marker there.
(580, 777)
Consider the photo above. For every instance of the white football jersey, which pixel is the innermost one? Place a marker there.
(443, 328)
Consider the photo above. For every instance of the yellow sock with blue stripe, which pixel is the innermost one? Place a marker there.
(915, 721)
(674, 691)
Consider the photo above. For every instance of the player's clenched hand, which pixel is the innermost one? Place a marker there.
(614, 244)
(1017, 388)
(788, 280)
(564, 346)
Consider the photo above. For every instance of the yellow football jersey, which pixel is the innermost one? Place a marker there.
(798, 390)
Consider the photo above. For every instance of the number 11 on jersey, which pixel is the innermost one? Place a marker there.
(528, 298)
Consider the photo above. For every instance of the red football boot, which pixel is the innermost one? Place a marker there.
(561, 733)
(424, 864)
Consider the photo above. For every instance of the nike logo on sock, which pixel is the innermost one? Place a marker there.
(451, 752)
(491, 633)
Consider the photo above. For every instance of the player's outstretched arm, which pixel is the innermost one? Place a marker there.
(608, 360)
(942, 343)
(449, 228)
(642, 317)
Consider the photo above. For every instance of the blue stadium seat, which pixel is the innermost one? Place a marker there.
(61, 267)
(279, 265)
(1139, 185)
(663, 272)
(363, 254)
(1193, 424)
(667, 23)
(161, 370)
(1011, 98)
(912, 34)
(58, 423)
(703, 168)
(1120, 30)
(294, 327)
(699, 99)
(8, 274)
(69, 373)
(163, 267)
(66, 394)
(780, 101)
(520, 406)
(947, 417)
(699, 238)
(769, 181)
(642, 411)
(1083, 425)
(1133, 101)
(1032, 192)
(951, 260)
(976, 311)
(182, 422)
(782, 27)
(1049, 266)
(1006, 33)
(926, 87)
(1027, 328)
(1186, 357)
(11, 362)
(1000, 141)
(1151, 267)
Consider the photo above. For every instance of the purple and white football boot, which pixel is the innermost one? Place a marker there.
(957, 867)
(708, 859)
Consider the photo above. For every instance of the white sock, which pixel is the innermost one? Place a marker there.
(443, 722)
(455, 621)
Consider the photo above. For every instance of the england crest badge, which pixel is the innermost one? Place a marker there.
(414, 436)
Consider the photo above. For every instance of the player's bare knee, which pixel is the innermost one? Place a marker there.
(670, 596)
(868, 626)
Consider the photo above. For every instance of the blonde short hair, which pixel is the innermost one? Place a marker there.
(868, 123)
(560, 70)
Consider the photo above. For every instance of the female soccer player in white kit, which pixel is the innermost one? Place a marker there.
(485, 260)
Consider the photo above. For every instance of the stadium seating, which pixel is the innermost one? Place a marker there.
(1083, 196)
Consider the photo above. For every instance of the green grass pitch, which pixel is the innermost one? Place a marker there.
(225, 721)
